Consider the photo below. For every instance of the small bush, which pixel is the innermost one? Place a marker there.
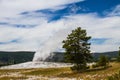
(79, 67)
(88, 67)
(95, 65)
(118, 58)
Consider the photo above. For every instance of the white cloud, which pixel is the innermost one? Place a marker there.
(11, 8)
(115, 11)
(96, 27)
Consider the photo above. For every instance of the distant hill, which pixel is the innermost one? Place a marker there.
(59, 56)
(110, 55)
(7, 58)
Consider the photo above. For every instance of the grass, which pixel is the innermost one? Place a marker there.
(48, 71)
(116, 76)
(93, 74)
(7, 71)
(13, 78)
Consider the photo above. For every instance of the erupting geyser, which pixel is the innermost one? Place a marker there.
(51, 45)
(46, 49)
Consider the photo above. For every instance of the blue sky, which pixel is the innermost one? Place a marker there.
(35, 24)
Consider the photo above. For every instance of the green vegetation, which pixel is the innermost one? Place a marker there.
(13, 78)
(118, 58)
(7, 58)
(112, 55)
(103, 61)
(77, 49)
(48, 71)
(59, 56)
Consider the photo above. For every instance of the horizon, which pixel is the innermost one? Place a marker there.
(57, 51)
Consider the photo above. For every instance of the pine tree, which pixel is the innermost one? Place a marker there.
(77, 49)
(103, 61)
(118, 58)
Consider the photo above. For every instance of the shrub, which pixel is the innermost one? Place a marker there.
(95, 65)
(103, 61)
(79, 68)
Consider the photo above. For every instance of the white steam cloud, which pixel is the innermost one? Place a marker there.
(54, 42)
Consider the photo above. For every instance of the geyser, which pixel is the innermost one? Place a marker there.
(52, 44)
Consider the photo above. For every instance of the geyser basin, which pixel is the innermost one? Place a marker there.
(41, 64)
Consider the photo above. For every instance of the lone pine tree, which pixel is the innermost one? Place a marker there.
(77, 49)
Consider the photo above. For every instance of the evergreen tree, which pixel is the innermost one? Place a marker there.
(77, 49)
(118, 58)
(103, 61)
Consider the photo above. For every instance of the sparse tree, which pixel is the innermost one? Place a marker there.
(118, 58)
(103, 61)
(77, 49)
